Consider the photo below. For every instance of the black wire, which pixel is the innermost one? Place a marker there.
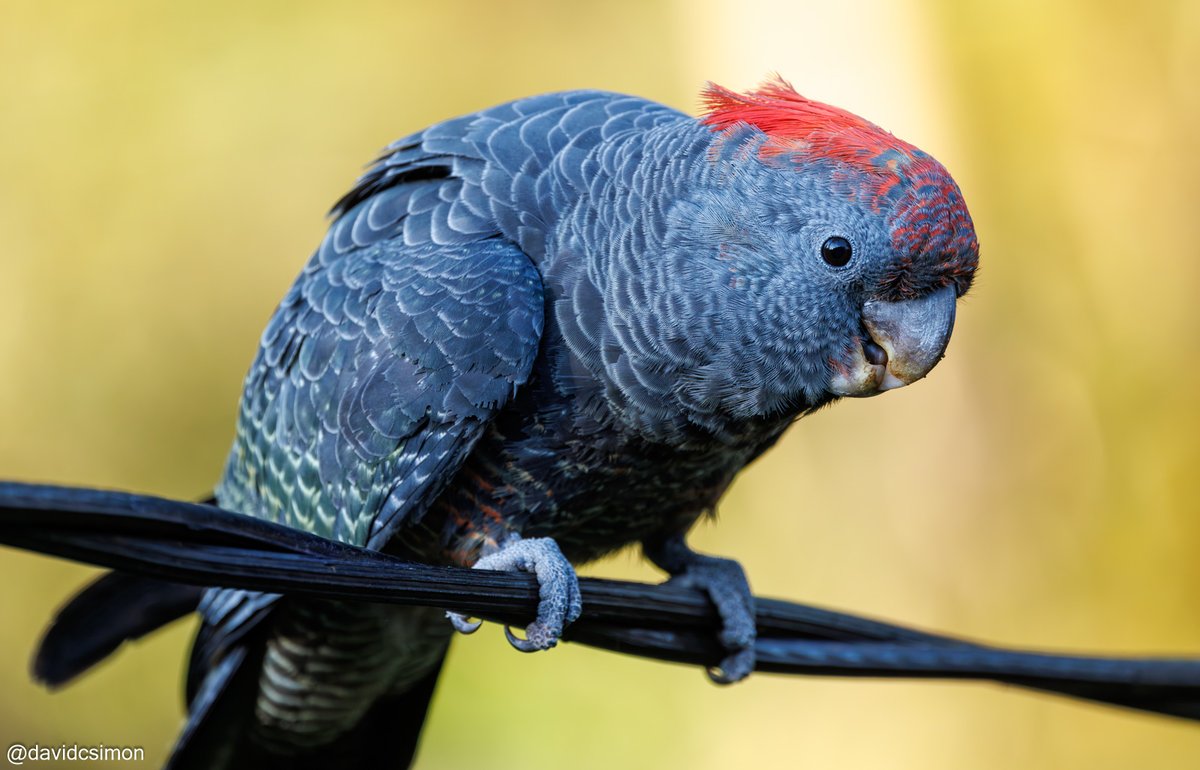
(204, 545)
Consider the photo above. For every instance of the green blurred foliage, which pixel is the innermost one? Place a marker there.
(163, 170)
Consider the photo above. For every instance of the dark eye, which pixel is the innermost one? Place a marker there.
(836, 251)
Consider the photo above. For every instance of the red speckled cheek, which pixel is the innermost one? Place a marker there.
(933, 238)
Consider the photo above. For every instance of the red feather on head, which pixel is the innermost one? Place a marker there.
(799, 125)
(927, 209)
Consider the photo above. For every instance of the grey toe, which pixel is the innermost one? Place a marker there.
(725, 583)
(559, 601)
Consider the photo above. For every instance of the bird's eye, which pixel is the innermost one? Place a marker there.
(836, 251)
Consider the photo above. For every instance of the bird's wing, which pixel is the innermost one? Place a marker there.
(378, 373)
(376, 376)
(418, 317)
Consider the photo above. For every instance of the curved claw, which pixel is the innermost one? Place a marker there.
(558, 588)
(461, 624)
(539, 635)
(524, 645)
(734, 668)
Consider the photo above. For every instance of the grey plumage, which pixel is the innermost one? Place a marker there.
(540, 333)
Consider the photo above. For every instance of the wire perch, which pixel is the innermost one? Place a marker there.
(207, 546)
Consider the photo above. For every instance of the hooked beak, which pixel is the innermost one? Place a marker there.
(906, 340)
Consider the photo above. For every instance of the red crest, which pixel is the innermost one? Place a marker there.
(923, 203)
(799, 125)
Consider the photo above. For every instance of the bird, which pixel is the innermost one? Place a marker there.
(534, 335)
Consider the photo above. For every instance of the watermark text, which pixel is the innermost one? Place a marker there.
(19, 753)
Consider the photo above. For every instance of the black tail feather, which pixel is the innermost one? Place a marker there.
(216, 735)
(219, 714)
(389, 734)
(116, 608)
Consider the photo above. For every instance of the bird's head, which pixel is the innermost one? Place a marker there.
(844, 248)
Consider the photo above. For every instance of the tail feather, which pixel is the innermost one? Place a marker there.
(219, 714)
(116, 608)
(387, 736)
(390, 732)
(217, 735)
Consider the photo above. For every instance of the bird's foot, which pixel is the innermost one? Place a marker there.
(558, 589)
(725, 582)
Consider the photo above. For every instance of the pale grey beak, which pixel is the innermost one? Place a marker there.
(907, 339)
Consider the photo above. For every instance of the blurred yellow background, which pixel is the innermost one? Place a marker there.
(164, 168)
